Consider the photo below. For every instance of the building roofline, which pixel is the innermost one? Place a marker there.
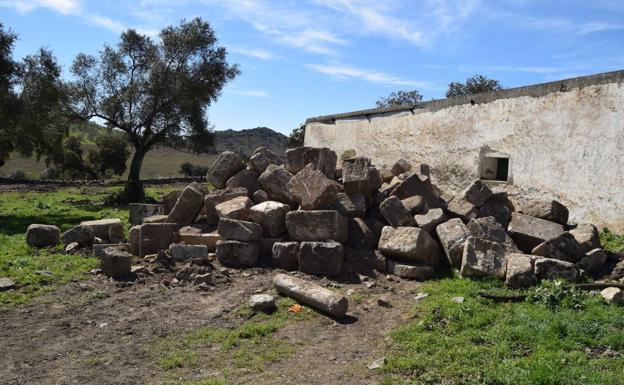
(534, 90)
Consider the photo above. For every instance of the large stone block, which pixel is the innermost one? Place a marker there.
(563, 247)
(594, 262)
(416, 184)
(156, 219)
(134, 239)
(81, 234)
(260, 161)
(187, 207)
(323, 160)
(285, 255)
(237, 208)
(360, 236)
(260, 196)
(245, 178)
(489, 228)
(321, 258)
(477, 193)
(552, 211)
(207, 239)
(154, 237)
(401, 166)
(182, 252)
(483, 258)
(235, 230)
(430, 221)
(365, 261)
(351, 205)
(501, 213)
(312, 189)
(410, 244)
(140, 211)
(360, 177)
(226, 165)
(528, 231)
(548, 268)
(274, 180)
(461, 208)
(520, 271)
(38, 235)
(415, 204)
(212, 199)
(168, 201)
(116, 262)
(102, 228)
(317, 225)
(407, 271)
(587, 236)
(271, 215)
(98, 248)
(395, 213)
(238, 254)
(453, 235)
(318, 297)
(294, 160)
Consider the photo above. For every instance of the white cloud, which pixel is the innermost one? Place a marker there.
(255, 53)
(65, 7)
(342, 72)
(250, 93)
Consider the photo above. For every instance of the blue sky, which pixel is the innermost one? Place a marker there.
(303, 58)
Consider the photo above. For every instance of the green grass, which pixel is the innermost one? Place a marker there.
(482, 342)
(250, 346)
(611, 241)
(65, 208)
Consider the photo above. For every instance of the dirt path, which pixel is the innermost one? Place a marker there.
(96, 332)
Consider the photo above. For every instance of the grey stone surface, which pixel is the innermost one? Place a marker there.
(500, 212)
(401, 166)
(156, 219)
(312, 189)
(351, 205)
(483, 258)
(317, 225)
(285, 255)
(134, 239)
(563, 247)
(139, 211)
(548, 268)
(477, 193)
(236, 230)
(323, 160)
(187, 207)
(395, 213)
(182, 252)
(520, 271)
(38, 235)
(102, 227)
(245, 178)
(262, 302)
(237, 208)
(430, 220)
(271, 215)
(489, 228)
(321, 258)
(313, 295)
(274, 180)
(360, 236)
(294, 160)
(415, 204)
(360, 177)
(115, 262)
(612, 295)
(453, 235)
(212, 199)
(237, 254)
(226, 165)
(587, 236)
(553, 211)
(528, 231)
(593, 262)
(260, 196)
(6, 284)
(83, 235)
(407, 271)
(461, 208)
(98, 249)
(410, 244)
(260, 161)
(169, 201)
(154, 237)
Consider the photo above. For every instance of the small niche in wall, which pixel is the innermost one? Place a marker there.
(494, 166)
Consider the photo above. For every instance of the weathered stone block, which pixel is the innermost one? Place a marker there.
(360, 236)
(489, 228)
(271, 215)
(401, 166)
(612, 295)
(237, 208)
(593, 262)
(245, 178)
(169, 201)
(294, 160)
(156, 219)
(211, 200)
(312, 189)
(548, 268)
(453, 235)
(182, 252)
(187, 207)
(483, 258)
(235, 230)
(285, 255)
(563, 247)
(477, 193)
(460, 208)
(98, 249)
(260, 160)
(416, 184)
(154, 237)
(207, 239)
(395, 213)
(38, 235)
(81, 234)
(529, 232)
(501, 213)
(134, 239)
(139, 211)
(430, 221)
(101, 227)
(587, 236)
(321, 258)
(323, 160)
(318, 225)
(237, 254)
(365, 261)
(260, 196)
(411, 244)
(552, 211)
(360, 177)
(351, 205)
(415, 204)
(116, 262)
(520, 272)
(311, 294)
(262, 302)
(416, 272)
(226, 165)
(274, 180)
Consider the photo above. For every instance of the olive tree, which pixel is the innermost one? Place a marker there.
(152, 90)
(473, 85)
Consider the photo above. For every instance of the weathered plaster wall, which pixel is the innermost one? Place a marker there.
(563, 145)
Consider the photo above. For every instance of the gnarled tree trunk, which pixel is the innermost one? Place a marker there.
(134, 186)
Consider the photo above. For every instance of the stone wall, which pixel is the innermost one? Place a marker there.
(564, 140)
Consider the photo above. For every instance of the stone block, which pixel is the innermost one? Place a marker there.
(169, 201)
(245, 178)
(410, 244)
(274, 180)
(154, 237)
(430, 221)
(563, 247)
(612, 295)
(415, 204)
(156, 219)
(360, 177)
(520, 271)
(323, 160)
(212, 199)
(587, 236)
(38, 235)
(81, 234)
(593, 262)
(294, 160)
(237, 254)
(548, 268)
(407, 271)
(528, 231)
(483, 258)
(395, 213)
(401, 166)
(360, 236)
(207, 239)
(477, 193)
(226, 165)
(182, 252)
(237, 208)
(460, 208)
(102, 228)
(187, 207)
(321, 258)
(311, 294)
(453, 235)
(285, 255)
(317, 225)
(116, 262)
(271, 215)
(489, 228)
(260, 196)
(236, 230)
(139, 211)
(98, 249)
(134, 239)
(351, 205)
(552, 211)
(312, 189)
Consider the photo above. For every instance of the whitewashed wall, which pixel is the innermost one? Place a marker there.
(564, 145)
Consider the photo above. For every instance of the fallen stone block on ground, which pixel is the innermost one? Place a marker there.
(563, 247)
(271, 215)
(321, 258)
(38, 235)
(226, 165)
(528, 231)
(262, 302)
(237, 254)
(612, 295)
(406, 271)
(187, 207)
(182, 252)
(395, 213)
(430, 220)
(317, 225)
(274, 180)
(587, 236)
(285, 255)
(154, 237)
(453, 235)
(520, 271)
(81, 234)
(547, 268)
(237, 208)
(552, 211)
(236, 230)
(312, 189)
(410, 244)
(483, 258)
(311, 294)
(212, 199)
(116, 262)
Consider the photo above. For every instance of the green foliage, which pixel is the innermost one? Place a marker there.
(400, 98)
(18, 174)
(612, 242)
(483, 342)
(474, 85)
(189, 169)
(556, 295)
(109, 156)
(296, 137)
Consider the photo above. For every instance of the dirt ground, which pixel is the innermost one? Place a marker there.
(57, 338)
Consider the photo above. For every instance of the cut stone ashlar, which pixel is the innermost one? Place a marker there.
(311, 294)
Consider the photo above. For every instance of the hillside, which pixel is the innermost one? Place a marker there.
(246, 141)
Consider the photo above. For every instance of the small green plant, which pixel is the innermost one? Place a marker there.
(612, 242)
(556, 295)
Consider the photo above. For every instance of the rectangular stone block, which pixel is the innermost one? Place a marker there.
(321, 258)
(238, 254)
(318, 225)
(410, 244)
(157, 236)
(529, 232)
(140, 211)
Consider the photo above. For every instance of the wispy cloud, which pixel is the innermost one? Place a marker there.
(62, 6)
(343, 72)
(250, 93)
(255, 53)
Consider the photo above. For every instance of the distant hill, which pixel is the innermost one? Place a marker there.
(244, 142)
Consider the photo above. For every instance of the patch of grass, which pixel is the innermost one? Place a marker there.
(250, 346)
(611, 241)
(482, 342)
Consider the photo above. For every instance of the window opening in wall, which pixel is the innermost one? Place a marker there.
(494, 168)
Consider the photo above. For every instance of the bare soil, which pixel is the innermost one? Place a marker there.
(99, 331)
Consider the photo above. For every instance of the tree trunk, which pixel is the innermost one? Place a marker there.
(134, 186)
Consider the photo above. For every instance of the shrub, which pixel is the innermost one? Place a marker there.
(189, 169)
(18, 174)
